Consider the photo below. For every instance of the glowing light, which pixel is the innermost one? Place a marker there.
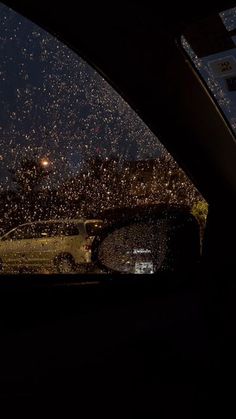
(44, 162)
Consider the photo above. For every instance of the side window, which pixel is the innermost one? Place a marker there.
(71, 147)
(21, 233)
(70, 230)
(13, 235)
(52, 229)
(39, 231)
(93, 228)
(63, 229)
(211, 45)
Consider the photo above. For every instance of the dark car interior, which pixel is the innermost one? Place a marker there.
(125, 345)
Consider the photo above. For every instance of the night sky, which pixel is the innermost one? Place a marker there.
(54, 105)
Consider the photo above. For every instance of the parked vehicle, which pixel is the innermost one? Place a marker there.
(63, 245)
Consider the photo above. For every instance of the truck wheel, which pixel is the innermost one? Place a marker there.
(64, 263)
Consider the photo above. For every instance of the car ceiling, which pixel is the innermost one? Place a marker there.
(133, 44)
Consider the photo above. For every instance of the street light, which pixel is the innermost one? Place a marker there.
(44, 162)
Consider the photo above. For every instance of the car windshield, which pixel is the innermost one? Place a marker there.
(71, 149)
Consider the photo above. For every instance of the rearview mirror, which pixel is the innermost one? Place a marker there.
(149, 242)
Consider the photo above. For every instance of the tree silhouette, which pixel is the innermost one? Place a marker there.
(29, 176)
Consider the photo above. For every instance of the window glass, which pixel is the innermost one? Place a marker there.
(93, 228)
(63, 229)
(70, 230)
(39, 231)
(14, 234)
(71, 147)
(20, 233)
(212, 47)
